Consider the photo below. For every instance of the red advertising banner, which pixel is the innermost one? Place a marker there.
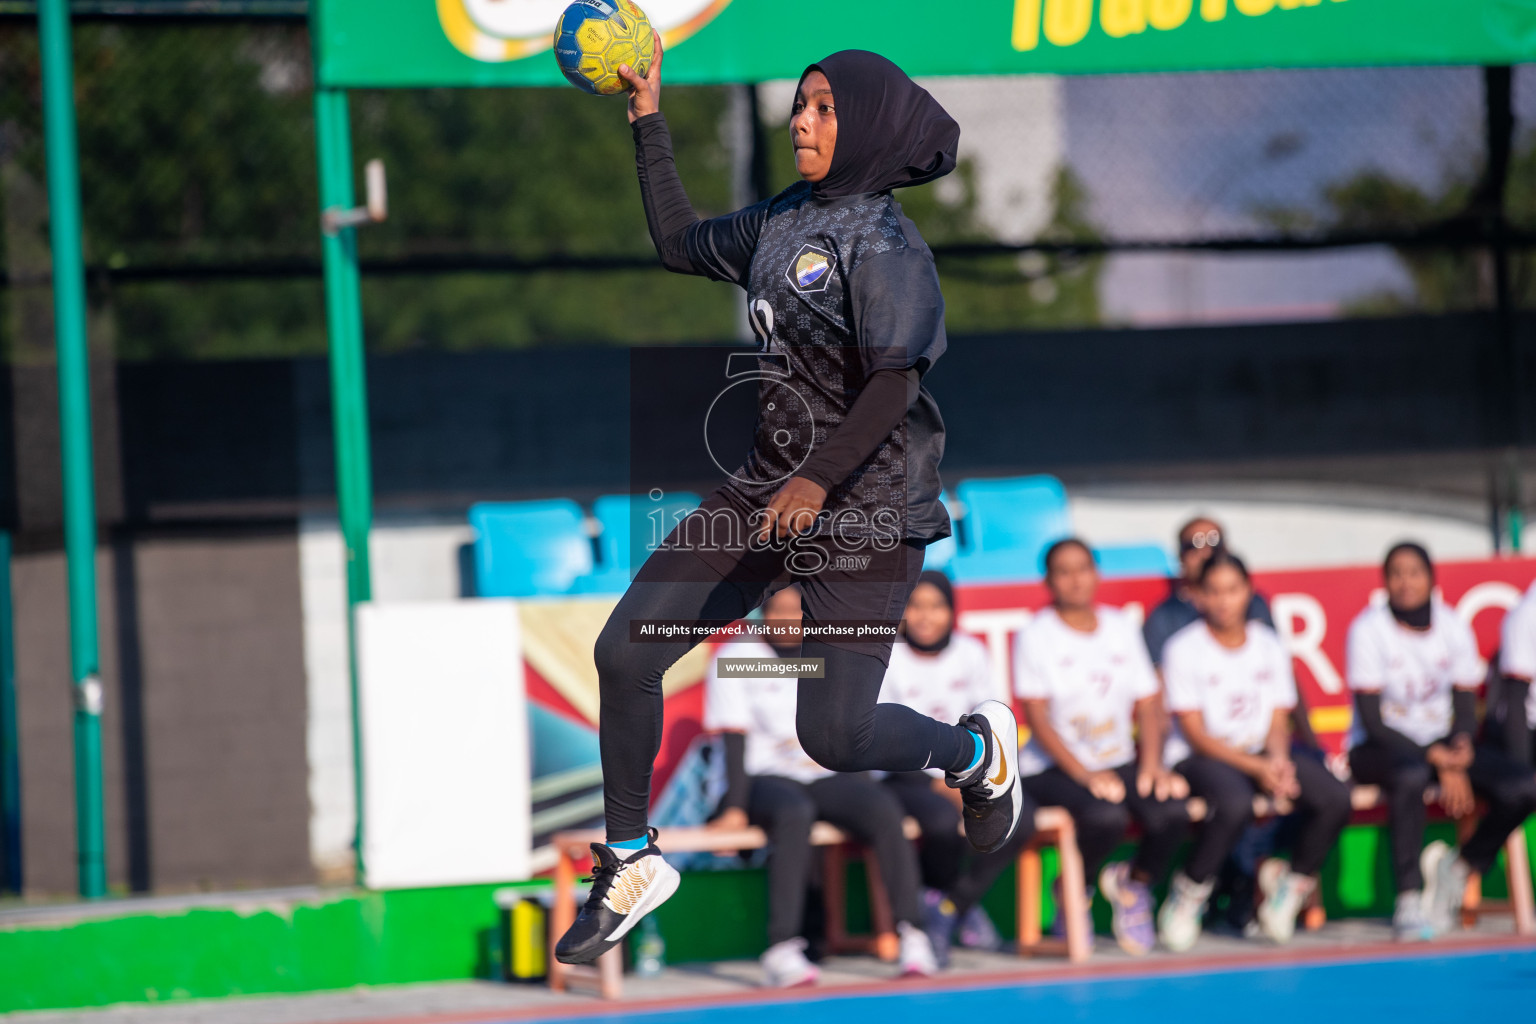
(1313, 609)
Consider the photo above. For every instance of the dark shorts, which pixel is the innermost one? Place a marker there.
(845, 582)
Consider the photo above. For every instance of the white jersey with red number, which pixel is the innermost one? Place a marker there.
(1092, 681)
(944, 685)
(1517, 648)
(1413, 670)
(1237, 690)
(763, 707)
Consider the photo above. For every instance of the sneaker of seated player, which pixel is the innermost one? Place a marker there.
(1409, 922)
(916, 957)
(939, 917)
(626, 885)
(977, 931)
(1130, 903)
(1058, 927)
(1178, 923)
(1285, 893)
(785, 965)
(1445, 884)
(990, 790)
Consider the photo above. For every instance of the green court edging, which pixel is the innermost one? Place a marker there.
(353, 938)
(358, 937)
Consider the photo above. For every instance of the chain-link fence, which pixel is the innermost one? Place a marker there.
(515, 222)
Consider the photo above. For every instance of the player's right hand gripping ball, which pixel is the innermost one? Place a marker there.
(593, 37)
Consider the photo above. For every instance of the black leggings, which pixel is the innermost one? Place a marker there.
(985, 868)
(1508, 787)
(1101, 825)
(1322, 811)
(942, 849)
(840, 724)
(786, 809)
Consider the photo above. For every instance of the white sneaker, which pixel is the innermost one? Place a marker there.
(1445, 883)
(624, 889)
(991, 794)
(1179, 922)
(785, 965)
(1409, 922)
(916, 958)
(1285, 892)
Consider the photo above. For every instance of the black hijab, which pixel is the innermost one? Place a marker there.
(890, 131)
(1413, 618)
(938, 580)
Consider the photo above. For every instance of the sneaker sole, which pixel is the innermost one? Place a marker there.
(667, 881)
(806, 981)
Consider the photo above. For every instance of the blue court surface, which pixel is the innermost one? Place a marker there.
(1442, 988)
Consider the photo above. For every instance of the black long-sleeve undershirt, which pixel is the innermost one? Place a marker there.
(1463, 713)
(1517, 733)
(668, 211)
(738, 783)
(878, 410)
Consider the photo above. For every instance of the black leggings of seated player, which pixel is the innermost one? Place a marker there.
(1100, 824)
(1508, 788)
(1507, 725)
(941, 851)
(838, 718)
(1322, 811)
(1233, 901)
(786, 809)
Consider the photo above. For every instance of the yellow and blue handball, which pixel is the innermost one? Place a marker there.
(593, 37)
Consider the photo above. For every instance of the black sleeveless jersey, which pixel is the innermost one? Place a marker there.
(837, 289)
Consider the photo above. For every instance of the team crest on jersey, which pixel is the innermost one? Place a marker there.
(811, 270)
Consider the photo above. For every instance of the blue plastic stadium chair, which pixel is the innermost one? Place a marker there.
(616, 513)
(529, 548)
(1009, 523)
(940, 554)
(1124, 561)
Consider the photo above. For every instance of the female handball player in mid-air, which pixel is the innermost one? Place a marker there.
(840, 491)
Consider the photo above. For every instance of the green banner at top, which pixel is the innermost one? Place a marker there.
(371, 43)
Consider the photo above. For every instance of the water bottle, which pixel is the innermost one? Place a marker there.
(651, 950)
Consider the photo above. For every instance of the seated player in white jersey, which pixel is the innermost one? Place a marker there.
(1414, 669)
(772, 783)
(943, 674)
(1084, 677)
(1512, 709)
(1231, 689)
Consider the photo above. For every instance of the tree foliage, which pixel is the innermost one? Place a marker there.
(197, 147)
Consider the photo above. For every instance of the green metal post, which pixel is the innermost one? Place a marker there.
(10, 748)
(349, 392)
(53, 32)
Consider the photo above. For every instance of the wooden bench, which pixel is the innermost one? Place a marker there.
(1363, 799)
(1053, 827)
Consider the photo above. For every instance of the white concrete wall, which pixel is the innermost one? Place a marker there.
(1271, 532)
(414, 559)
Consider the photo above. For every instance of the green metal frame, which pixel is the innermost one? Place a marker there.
(349, 392)
(75, 434)
(10, 749)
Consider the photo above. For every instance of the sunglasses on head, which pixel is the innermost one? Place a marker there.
(1200, 541)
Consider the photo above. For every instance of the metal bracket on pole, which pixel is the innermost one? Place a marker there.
(334, 219)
